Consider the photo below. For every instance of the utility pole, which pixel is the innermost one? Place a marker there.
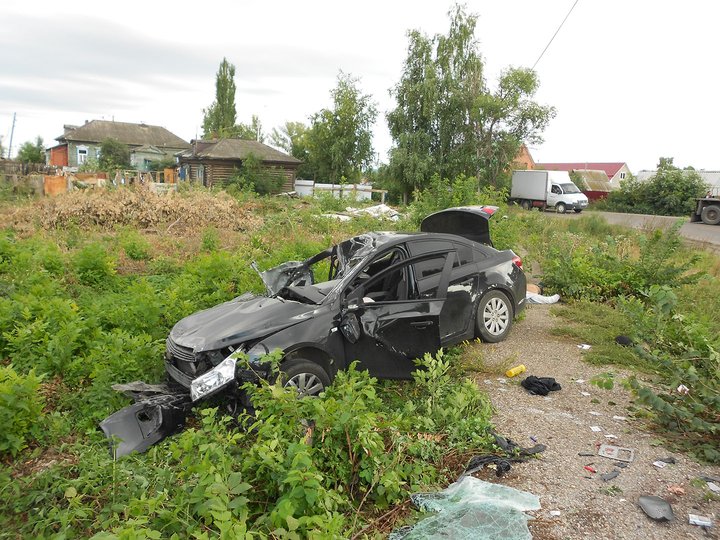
(12, 132)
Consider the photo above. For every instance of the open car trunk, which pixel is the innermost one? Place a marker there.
(471, 222)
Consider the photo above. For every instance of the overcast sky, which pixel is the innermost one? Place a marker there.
(631, 80)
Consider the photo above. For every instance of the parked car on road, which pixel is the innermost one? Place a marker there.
(381, 298)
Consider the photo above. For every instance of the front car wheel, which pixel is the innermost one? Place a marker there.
(308, 378)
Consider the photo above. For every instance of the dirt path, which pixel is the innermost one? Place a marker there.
(589, 507)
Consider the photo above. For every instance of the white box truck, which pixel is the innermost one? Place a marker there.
(546, 189)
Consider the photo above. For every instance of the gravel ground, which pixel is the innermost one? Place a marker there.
(589, 507)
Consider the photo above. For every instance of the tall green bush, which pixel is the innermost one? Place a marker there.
(21, 408)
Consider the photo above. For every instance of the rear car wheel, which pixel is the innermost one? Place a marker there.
(526, 205)
(560, 208)
(308, 378)
(494, 317)
(711, 214)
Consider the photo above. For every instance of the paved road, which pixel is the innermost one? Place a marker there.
(707, 236)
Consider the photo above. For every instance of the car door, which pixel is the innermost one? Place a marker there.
(401, 326)
(554, 195)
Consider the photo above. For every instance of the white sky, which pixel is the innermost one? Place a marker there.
(632, 80)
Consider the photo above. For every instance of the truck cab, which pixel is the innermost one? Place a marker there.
(566, 196)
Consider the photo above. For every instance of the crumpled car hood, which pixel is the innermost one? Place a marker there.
(244, 318)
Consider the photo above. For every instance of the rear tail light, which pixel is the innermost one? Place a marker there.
(517, 261)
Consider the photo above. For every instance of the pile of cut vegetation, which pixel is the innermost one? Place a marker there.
(140, 207)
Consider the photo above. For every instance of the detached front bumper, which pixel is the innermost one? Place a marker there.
(158, 412)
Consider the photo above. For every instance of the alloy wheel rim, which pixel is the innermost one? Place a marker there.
(496, 316)
(306, 384)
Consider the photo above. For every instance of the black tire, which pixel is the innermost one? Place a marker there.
(578, 210)
(494, 317)
(307, 377)
(560, 208)
(526, 205)
(710, 214)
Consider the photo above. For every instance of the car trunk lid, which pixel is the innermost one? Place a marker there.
(471, 222)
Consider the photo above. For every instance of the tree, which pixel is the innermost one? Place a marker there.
(2, 149)
(250, 132)
(339, 142)
(447, 121)
(220, 117)
(671, 191)
(292, 137)
(114, 155)
(32, 153)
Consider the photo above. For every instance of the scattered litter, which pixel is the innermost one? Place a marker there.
(339, 217)
(713, 487)
(617, 453)
(682, 389)
(660, 464)
(547, 398)
(623, 500)
(609, 476)
(656, 508)
(580, 381)
(377, 211)
(586, 454)
(540, 386)
(676, 490)
(594, 413)
(533, 439)
(596, 429)
(586, 394)
(670, 460)
(589, 469)
(487, 381)
(624, 341)
(502, 389)
(584, 347)
(471, 508)
(621, 464)
(535, 298)
(619, 418)
(700, 521)
(710, 478)
(611, 436)
(517, 370)
(501, 380)
(555, 513)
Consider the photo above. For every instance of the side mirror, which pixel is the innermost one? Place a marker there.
(350, 327)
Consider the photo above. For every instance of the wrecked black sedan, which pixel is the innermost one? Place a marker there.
(381, 298)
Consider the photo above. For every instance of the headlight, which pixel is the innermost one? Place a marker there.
(213, 380)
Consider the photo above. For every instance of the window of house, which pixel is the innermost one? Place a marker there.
(622, 176)
(82, 154)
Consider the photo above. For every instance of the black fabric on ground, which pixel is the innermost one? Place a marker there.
(540, 386)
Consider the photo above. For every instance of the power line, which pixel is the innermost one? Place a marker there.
(555, 34)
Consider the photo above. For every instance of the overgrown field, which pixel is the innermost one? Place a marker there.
(88, 294)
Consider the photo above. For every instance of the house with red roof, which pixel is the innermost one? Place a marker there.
(616, 172)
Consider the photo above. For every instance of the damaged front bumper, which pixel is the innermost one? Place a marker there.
(159, 411)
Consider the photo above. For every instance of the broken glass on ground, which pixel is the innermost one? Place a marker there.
(471, 508)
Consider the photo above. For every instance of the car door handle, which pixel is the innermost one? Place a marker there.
(421, 324)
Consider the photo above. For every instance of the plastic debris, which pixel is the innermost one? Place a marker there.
(555, 513)
(682, 389)
(595, 413)
(589, 469)
(586, 454)
(624, 341)
(656, 508)
(609, 476)
(580, 381)
(700, 521)
(517, 370)
(596, 429)
(611, 436)
(540, 386)
(669, 460)
(586, 394)
(617, 453)
(619, 418)
(660, 464)
(471, 508)
(712, 486)
(584, 347)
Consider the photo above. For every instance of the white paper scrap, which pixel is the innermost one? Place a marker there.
(596, 428)
(555, 513)
(713, 487)
(586, 394)
(660, 464)
(700, 521)
(584, 346)
(619, 418)
(595, 413)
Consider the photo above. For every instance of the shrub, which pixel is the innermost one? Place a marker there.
(21, 408)
(93, 265)
(135, 246)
